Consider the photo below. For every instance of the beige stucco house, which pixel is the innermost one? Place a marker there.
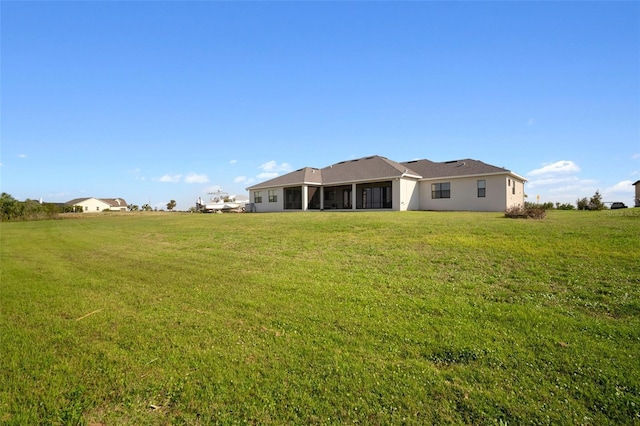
(378, 183)
(94, 205)
(637, 197)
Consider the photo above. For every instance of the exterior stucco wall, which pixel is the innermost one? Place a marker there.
(408, 195)
(514, 198)
(265, 205)
(92, 205)
(637, 197)
(464, 194)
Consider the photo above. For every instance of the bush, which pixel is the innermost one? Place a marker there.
(565, 206)
(536, 213)
(525, 212)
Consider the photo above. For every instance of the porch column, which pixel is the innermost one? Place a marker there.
(321, 189)
(353, 196)
(305, 197)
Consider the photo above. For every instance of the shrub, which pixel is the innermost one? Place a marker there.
(516, 212)
(525, 212)
(565, 206)
(536, 213)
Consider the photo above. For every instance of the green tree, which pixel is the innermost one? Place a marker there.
(10, 208)
(595, 203)
(171, 205)
(583, 203)
(146, 208)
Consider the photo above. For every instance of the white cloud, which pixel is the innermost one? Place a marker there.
(635, 156)
(272, 169)
(196, 178)
(273, 166)
(576, 188)
(559, 181)
(244, 180)
(169, 178)
(567, 181)
(22, 155)
(622, 186)
(175, 178)
(559, 167)
(233, 161)
(268, 175)
(531, 122)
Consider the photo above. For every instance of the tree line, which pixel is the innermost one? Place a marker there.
(14, 210)
(593, 203)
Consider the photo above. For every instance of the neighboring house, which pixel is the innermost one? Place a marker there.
(637, 197)
(93, 205)
(379, 183)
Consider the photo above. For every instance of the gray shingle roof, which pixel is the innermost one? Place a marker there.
(467, 167)
(367, 168)
(376, 167)
(306, 175)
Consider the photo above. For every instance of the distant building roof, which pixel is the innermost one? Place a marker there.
(113, 202)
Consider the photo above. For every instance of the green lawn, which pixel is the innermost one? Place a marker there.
(321, 318)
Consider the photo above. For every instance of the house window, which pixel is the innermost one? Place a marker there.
(97, 208)
(377, 195)
(257, 198)
(273, 197)
(482, 188)
(293, 198)
(86, 208)
(441, 190)
(513, 188)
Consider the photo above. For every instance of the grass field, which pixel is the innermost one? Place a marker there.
(321, 318)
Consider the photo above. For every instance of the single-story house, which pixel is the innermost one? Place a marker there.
(93, 205)
(376, 182)
(637, 197)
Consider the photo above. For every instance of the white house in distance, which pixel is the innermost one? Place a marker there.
(95, 205)
(381, 184)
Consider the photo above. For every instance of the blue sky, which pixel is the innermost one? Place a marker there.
(153, 101)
